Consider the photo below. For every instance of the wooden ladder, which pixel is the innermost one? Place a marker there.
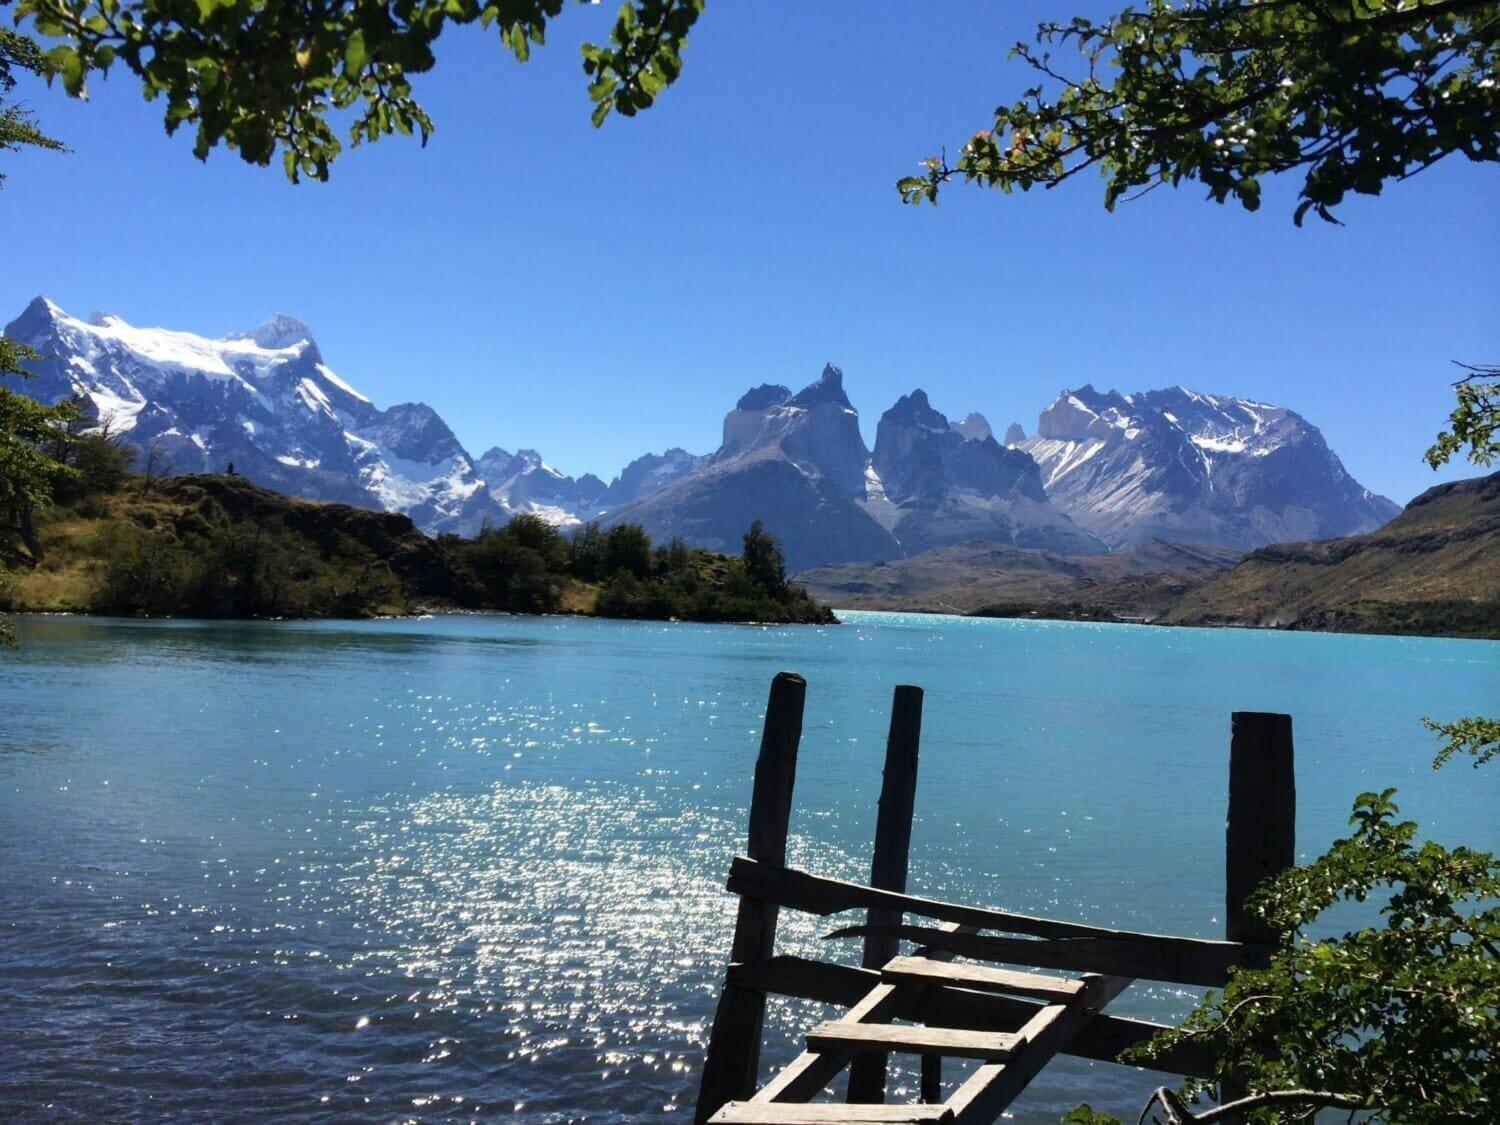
(1010, 1059)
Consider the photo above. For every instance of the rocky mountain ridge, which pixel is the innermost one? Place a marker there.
(799, 462)
(1103, 470)
(1190, 467)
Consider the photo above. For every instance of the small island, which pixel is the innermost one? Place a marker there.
(121, 543)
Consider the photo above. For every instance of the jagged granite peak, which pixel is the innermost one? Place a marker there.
(1181, 465)
(797, 462)
(648, 473)
(495, 463)
(974, 426)
(929, 485)
(1014, 434)
(816, 429)
(800, 464)
(265, 401)
(763, 397)
(917, 409)
(828, 389)
(414, 431)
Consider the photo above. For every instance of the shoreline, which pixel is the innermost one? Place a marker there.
(1155, 624)
(438, 611)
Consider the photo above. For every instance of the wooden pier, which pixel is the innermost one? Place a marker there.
(1013, 1022)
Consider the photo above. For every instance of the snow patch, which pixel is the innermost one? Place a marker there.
(328, 374)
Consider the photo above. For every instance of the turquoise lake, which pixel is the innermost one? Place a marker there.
(473, 867)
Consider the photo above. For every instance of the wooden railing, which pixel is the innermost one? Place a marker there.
(1259, 841)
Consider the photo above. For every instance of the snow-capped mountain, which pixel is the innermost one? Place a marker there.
(524, 482)
(1103, 470)
(1189, 467)
(799, 463)
(267, 403)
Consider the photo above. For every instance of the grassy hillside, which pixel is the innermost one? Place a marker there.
(219, 546)
(1140, 583)
(1433, 569)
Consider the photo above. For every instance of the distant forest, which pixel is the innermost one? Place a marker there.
(119, 542)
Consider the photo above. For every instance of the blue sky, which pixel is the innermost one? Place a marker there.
(595, 294)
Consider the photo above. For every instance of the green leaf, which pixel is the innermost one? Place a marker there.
(355, 55)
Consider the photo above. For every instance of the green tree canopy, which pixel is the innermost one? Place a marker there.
(1475, 418)
(33, 440)
(1398, 1019)
(260, 76)
(1471, 432)
(764, 559)
(1350, 94)
(18, 128)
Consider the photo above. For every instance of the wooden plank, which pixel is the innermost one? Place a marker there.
(780, 1113)
(1260, 830)
(813, 1070)
(1103, 1039)
(841, 1035)
(1260, 833)
(993, 1086)
(931, 1081)
(1183, 960)
(817, 894)
(733, 1059)
(985, 978)
(898, 792)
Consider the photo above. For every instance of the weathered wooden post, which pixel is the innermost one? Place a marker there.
(733, 1060)
(898, 791)
(1260, 836)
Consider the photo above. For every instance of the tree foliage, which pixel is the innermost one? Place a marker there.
(1471, 426)
(1351, 95)
(1399, 1019)
(18, 128)
(1475, 736)
(1471, 431)
(764, 559)
(263, 76)
(32, 434)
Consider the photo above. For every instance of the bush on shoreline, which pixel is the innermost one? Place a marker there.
(119, 543)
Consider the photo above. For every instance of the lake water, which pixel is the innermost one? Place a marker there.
(473, 867)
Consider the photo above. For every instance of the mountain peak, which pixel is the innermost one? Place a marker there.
(763, 397)
(34, 318)
(973, 426)
(1186, 466)
(43, 306)
(282, 331)
(1014, 434)
(916, 408)
(828, 389)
